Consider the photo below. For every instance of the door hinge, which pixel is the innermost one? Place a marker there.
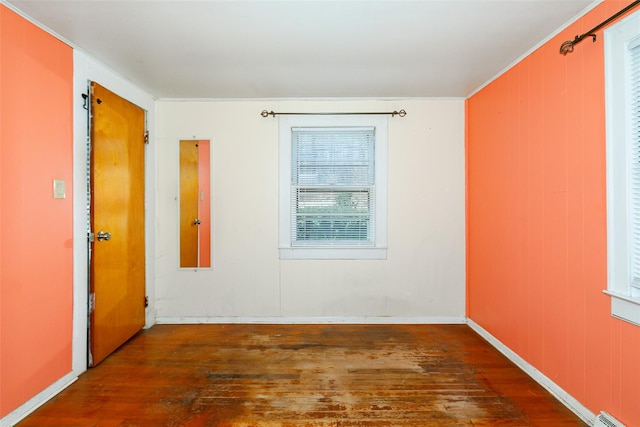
(146, 302)
(92, 302)
(85, 100)
(146, 137)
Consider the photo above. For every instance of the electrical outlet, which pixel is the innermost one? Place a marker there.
(59, 191)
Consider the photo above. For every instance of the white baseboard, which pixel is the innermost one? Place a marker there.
(565, 398)
(312, 320)
(38, 400)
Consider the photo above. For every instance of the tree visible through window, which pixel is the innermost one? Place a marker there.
(333, 180)
(333, 187)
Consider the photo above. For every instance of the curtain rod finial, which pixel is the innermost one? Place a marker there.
(566, 47)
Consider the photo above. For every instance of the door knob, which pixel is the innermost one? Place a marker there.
(103, 235)
(196, 221)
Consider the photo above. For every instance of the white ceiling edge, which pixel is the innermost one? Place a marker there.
(38, 24)
(73, 45)
(537, 46)
(469, 95)
(319, 99)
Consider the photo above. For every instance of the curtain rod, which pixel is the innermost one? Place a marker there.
(567, 47)
(400, 113)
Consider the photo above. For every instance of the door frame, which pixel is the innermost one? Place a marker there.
(87, 69)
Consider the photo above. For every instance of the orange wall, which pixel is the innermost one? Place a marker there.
(536, 222)
(36, 265)
(204, 207)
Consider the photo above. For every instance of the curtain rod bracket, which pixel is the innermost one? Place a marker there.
(567, 47)
(400, 113)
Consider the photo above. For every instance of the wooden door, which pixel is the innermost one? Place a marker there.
(117, 260)
(189, 221)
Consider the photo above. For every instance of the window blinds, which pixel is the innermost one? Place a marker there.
(634, 156)
(333, 186)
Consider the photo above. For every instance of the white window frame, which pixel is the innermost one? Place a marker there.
(625, 299)
(379, 248)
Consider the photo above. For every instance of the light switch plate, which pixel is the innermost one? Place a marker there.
(59, 189)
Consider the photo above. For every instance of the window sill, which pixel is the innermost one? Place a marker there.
(333, 253)
(624, 307)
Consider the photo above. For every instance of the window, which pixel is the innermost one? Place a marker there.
(333, 185)
(622, 70)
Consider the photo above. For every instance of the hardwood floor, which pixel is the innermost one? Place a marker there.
(304, 376)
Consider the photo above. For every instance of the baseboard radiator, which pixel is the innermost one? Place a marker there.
(606, 420)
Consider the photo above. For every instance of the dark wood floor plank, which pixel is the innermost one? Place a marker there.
(304, 376)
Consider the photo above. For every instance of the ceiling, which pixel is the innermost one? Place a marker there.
(305, 49)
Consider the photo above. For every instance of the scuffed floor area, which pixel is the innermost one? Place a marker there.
(305, 376)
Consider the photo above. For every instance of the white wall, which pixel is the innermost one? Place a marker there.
(423, 277)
